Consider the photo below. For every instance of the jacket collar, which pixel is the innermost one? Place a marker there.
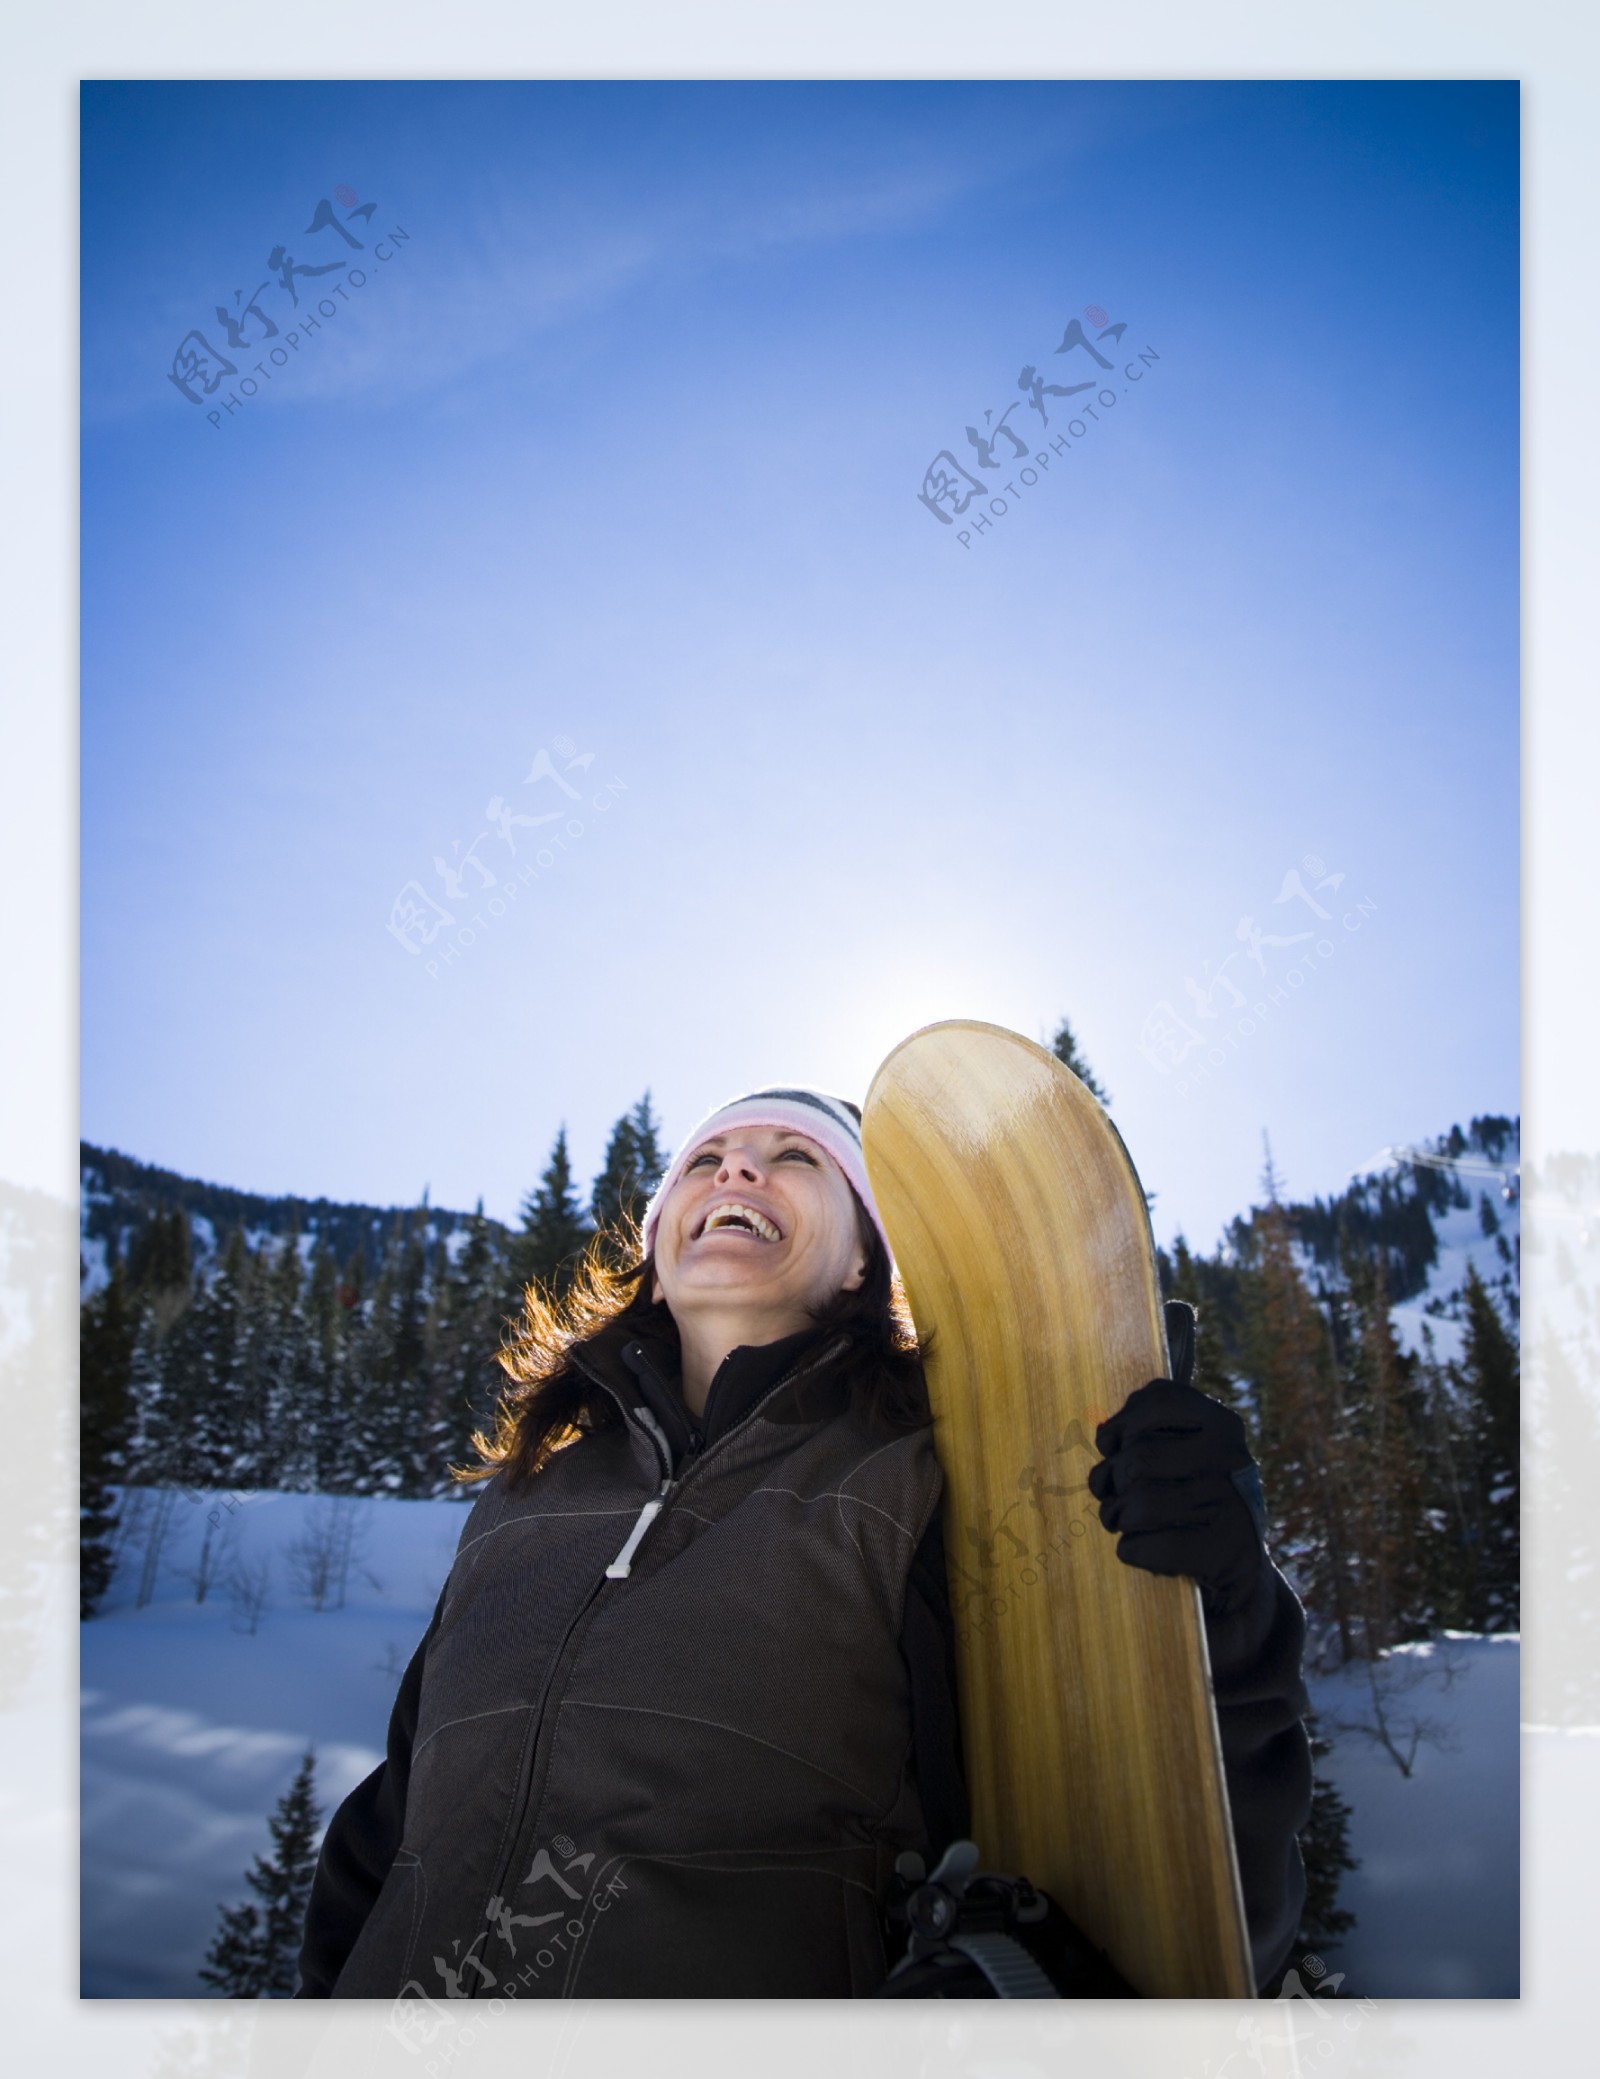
(648, 1369)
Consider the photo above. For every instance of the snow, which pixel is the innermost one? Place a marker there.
(192, 1730)
(92, 1249)
(1311, 1271)
(1436, 1896)
(205, 1250)
(454, 1242)
(1462, 1241)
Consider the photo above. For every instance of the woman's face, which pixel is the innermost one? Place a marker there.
(761, 1217)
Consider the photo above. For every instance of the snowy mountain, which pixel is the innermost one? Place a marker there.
(1430, 1219)
(119, 1196)
(1434, 1208)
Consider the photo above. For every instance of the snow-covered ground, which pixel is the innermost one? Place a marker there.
(1436, 1896)
(192, 1729)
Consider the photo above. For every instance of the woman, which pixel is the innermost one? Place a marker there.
(688, 1691)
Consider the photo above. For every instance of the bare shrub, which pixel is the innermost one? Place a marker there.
(320, 1558)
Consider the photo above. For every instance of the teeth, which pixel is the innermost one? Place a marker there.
(726, 1214)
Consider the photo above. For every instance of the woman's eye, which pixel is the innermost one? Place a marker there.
(711, 1156)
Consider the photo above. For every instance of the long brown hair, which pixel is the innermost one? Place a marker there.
(548, 1402)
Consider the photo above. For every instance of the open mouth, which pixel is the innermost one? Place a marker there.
(732, 1217)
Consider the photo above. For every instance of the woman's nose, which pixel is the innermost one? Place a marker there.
(739, 1162)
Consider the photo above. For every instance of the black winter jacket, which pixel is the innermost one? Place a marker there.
(1260, 1699)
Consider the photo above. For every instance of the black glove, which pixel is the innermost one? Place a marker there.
(1177, 1483)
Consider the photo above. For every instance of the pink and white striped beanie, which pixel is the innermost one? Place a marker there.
(834, 1123)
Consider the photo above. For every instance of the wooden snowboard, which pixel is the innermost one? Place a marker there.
(1092, 1758)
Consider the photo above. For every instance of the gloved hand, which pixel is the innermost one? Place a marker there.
(1176, 1482)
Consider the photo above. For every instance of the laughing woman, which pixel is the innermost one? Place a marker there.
(688, 1692)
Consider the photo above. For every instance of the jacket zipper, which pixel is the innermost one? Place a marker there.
(619, 1569)
(622, 1565)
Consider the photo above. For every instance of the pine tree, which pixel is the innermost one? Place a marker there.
(306, 1339)
(1450, 1533)
(353, 1284)
(254, 1951)
(1202, 1284)
(409, 1297)
(1065, 1048)
(1383, 1451)
(554, 1232)
(1487, 1379)
(1301, 1432)
(109, 1331)
(161, 1282)
(446, 1299)
(634, 1165)
(241, 1326)
(159, 1255)
(650, 1155)
(387, 1446)
(192, 1426)
(467, 1328)
(281, 1339)
(235, 1963)
(320, 1377)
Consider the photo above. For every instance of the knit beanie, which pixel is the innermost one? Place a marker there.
(834, 1123)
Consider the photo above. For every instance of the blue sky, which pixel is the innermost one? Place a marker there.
(620, 449)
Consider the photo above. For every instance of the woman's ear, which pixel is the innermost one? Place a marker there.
(858, 1277)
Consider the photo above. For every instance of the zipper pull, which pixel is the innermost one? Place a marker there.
(661, 1444)
(622, 1565)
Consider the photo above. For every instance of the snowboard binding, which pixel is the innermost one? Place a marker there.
(965, 1943)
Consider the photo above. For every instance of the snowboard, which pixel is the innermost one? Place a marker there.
(1089, 1734)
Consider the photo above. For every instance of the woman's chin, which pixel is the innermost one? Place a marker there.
(726, 1270)
(720, 1271)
